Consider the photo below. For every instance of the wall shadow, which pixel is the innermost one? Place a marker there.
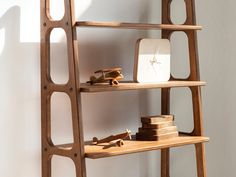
(19, 105)
(20, 86)
(114, 112)
(103, 47)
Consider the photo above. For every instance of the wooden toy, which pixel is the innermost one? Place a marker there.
(116, 143)
(111, 75)
(122, 136)
(119, 143)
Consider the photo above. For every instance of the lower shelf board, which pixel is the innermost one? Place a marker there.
(132, 146)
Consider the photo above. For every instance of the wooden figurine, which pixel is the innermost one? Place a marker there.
(122, 136)
(111, 75)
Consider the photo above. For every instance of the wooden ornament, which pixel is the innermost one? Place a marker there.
(122, 136)
(107, 75)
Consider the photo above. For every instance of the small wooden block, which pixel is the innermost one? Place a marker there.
(158, 132)
(157, 119)
(158, 125)
(142, 137)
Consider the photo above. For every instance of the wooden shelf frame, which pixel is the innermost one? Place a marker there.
(195, 91)
(77, 151)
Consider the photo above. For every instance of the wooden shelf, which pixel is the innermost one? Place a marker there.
(140, 26)
(132, 146)
(137, 86)
(79, 150)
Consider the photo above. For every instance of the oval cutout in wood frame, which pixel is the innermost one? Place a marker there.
(178, 12)
(59, 68)
(180, 62)
(61, 119)
(57, 9)
(62, 166)
(182, 108)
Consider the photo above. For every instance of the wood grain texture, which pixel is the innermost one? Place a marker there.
(159, 131)
(138, 86)
(157, 126)
(200, 159)
(129, 147)
(157, 119)
(139, 26)
(145, 137)
(78, 150)
(193, 76)
(48, 87)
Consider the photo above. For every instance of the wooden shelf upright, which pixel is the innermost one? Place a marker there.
(78, 151)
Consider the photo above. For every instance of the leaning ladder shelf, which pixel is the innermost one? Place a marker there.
(79, 150)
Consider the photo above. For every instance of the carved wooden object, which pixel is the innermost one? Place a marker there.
(107, 75)
(121, 136)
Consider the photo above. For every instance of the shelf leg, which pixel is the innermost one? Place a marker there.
(80, 169)
(165, 166)
(197, 111)
(46, 166)
(200, 158)
(165, 153)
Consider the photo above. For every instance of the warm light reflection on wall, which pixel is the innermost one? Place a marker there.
(81, 6)
(57, 8)
(57, 11)
(58, 36)
(30, 16)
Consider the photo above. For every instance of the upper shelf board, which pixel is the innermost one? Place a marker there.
(140, 26)
(137, 86)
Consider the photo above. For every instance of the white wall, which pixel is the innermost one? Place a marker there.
(100, 48)
(217, 46)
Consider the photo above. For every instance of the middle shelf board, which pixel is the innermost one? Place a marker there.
(132, 146)
(139, 26)
(85, 87)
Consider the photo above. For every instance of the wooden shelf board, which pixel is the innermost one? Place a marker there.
(132, 146)
(85, 87)
(137, 25)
